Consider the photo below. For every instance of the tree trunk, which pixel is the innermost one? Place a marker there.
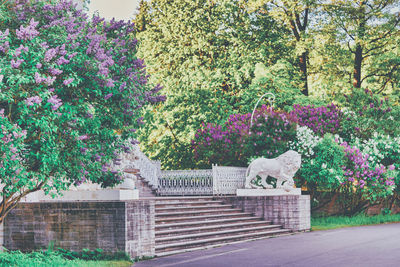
(358, 53)
(303, 68)
(358, 57)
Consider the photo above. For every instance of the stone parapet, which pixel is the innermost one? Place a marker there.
(292, 211)
(112, 226)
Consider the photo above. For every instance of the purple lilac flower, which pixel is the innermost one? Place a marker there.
(68, 81)
(50, 80)
(19, 50)
(6, 45)
(110, 83)
(38, 79)
(28, 32)
(61, 61)
(38, 65)
(50, 54)
(72, 55)
(83, 137)
(55, 101)
(55, 72)
(16, 63)
(33, 100)
(108, 96)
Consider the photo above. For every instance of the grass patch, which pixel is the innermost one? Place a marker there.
(56, 258)
(333, 222)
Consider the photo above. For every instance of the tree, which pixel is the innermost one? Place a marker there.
(369, 30)
(71, 90)
(295, 15)
(204, 54)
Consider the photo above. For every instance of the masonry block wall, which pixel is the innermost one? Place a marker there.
(292, 212)
(111, 226)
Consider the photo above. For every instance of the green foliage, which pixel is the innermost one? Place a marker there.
(71, 90)
(279, 79)
(367, 113)
(323, 170)
(59, 257)
(333, 222)
(93, 255)
(204, 54)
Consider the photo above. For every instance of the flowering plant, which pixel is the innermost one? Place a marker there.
(324, 119)
(367, 113)
(238, 139)
(363, 183)
(71, 90)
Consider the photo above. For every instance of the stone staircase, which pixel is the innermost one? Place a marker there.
(191, 223)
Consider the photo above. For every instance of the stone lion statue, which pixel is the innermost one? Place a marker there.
(281, 168)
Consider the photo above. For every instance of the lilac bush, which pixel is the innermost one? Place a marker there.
(235, 142)
(71, 92)
(362, 183)
(324, 119)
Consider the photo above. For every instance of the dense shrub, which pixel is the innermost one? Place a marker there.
(71, 92)
(362, 183)
(332, 166)
(324, 119)
(366, 113)
(321, 170)
(235, 142)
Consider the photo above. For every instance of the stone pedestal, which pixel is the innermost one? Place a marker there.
(291, 211)
(267, 192)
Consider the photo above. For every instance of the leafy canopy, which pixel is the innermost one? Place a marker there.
(71, 90)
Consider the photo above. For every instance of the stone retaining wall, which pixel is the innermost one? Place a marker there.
(112, 226)
(292, 212)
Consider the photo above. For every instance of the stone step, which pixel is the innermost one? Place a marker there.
(214, 241)
(195, 213)
(214, 234)
(215, 222)
(203, 217)
(190, 208)
(173, 204)
(186, 198)
(210, 228)
(172, 252)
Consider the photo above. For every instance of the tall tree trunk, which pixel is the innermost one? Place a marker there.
(358, 53)
(358, 57)
(303, 68)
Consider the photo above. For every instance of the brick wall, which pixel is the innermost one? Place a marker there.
(112, 226)
(292, 212)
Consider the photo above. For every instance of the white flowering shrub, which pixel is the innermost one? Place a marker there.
(305, 142)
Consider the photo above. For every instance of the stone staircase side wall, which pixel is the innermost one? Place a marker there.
(140, 225)
(112, 226)
(292, 212)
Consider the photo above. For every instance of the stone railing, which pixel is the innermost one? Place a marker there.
(227, 179)
(149, 170)
(217, 181)
(220, 180)
(186, 182)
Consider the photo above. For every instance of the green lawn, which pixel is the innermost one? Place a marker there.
(333, 222)
(53, 258)
(81, 263)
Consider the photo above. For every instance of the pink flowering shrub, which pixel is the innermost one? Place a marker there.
(234, 143)
(71, 93)
(324, 119)
(362, 183)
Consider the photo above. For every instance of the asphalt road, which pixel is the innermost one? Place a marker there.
(377, 245)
